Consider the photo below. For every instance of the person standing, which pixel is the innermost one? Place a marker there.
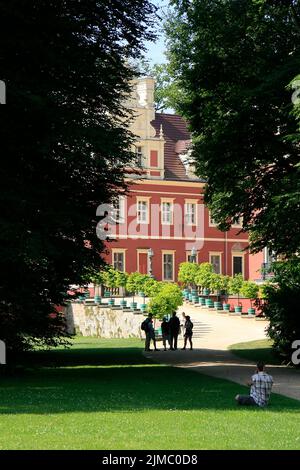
(188, 326)
(165, 330)
(174, 325)
(150, 333)
(183, 319)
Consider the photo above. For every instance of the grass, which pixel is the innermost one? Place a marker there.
(103, 394)
(260, 350)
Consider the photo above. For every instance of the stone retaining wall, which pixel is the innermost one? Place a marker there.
(104, 322)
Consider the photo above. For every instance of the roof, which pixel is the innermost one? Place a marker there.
(174, 130)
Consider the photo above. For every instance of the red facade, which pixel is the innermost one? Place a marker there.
(164, 210)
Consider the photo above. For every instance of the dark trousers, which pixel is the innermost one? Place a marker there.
(246, 400)
(173, 340)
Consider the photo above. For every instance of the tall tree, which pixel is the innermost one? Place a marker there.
(64, 145)
(232, 61)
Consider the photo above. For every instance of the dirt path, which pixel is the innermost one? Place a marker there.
(215, 333)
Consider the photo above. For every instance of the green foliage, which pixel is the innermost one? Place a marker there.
(94, 276)
(233, 60)
(215, 283)
(166, 301)
(204, 274)
(187, 273)
(136, 282)
(121, 279)
(110, 277)
(282, 306)
(235, 284)
(152, 287)
(64, 146)
(250, 290)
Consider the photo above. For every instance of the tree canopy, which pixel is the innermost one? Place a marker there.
(233, 61)
(64, 146)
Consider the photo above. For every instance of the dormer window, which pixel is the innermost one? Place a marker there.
(139, 155)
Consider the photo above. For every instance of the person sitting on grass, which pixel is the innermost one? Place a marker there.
(260, 388)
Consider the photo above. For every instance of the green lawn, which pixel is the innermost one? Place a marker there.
(103, 394)
(260, 350)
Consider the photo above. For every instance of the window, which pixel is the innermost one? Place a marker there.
(119, 211)
(215, 260)
(119, 260)
(168, 266)
(139, 155)
(212, 221)
(190, 213)
(142, 212)
(237, 262)
(237, 221)
(167, 213)
(191, 259)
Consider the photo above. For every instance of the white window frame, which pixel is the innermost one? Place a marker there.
(170, 212)
(211, 221)
(117, 251)
(238, 224)
(172, 253)
(188, 213)
(120, 210)
(139, 154)
(240, 255)
(147, 218)
(216, 253)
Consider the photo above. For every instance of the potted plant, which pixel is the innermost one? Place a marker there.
(110, 280)
(131, 286)
(250, 290)
(186, 276)
(166, 301)
(216, 284)
(202, 278)
(235, 286)
(121, 281)
(224, 291)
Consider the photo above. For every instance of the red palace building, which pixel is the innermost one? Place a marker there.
(162, 221)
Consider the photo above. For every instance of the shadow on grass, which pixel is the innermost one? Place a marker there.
(116, 380)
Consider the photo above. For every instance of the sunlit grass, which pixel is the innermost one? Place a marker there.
(104, 394)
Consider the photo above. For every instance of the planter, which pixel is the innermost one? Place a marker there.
(141, 294)
(194, 292)
(226, 307)
(190, 296)
(218, 306)
(251, 311)
(106, 294)
(202, 301)
(97, 299)
(123, 303)
(195, 299)
(143, 307)
(133, 305)
(111, 302)
(238, 309)
(206, 291)
(209, 303)
(186, 295)
(81, 298)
